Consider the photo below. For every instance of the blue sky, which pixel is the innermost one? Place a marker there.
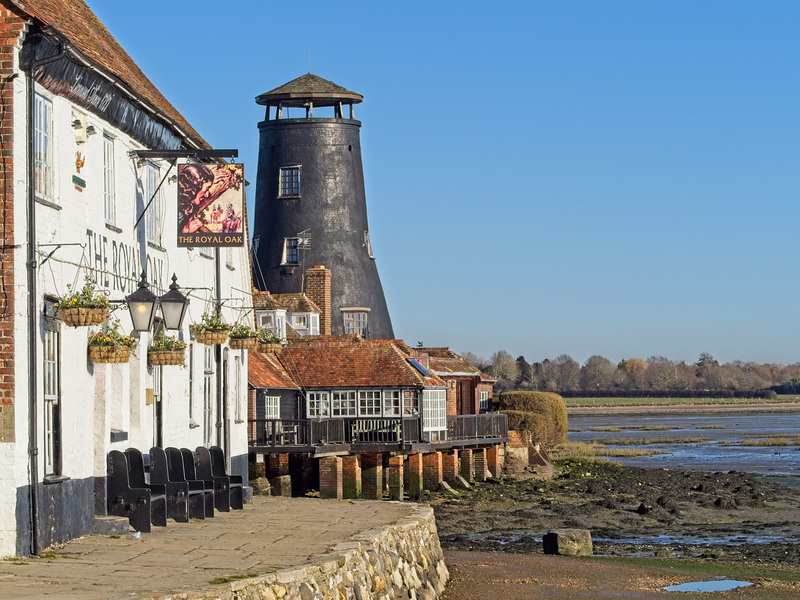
(614, 178)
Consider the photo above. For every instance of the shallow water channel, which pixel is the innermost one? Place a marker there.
(719, 446)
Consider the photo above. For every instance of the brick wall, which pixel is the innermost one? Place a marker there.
(330, 477)
(318, 290)
(11, 26)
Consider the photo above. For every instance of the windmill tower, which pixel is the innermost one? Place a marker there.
(310, 203)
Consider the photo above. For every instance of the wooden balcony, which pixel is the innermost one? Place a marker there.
(371, 434)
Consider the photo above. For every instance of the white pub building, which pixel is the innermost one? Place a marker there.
(89, 192)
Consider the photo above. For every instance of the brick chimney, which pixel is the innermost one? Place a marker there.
(318, 290)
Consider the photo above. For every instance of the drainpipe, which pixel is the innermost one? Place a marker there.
(29, 67)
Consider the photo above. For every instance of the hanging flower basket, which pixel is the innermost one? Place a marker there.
(79, 317)
(109, 354)
(211, 336)
(269, 347)
(166, 357)
(245, 343)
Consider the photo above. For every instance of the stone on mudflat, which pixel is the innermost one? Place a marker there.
(568, 542)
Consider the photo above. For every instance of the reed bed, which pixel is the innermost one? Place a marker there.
(579, 450)
(769, 441)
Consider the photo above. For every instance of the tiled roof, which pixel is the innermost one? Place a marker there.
(297, 303)
(308, 86)
(263, 300)
(452, 366)
(337, 362)
(444, 362)
(264, 370)
(90, 38)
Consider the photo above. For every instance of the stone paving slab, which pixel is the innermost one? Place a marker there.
(268, 535)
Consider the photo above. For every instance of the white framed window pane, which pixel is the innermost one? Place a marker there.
(272, 407)
(43, 148)
(109, 200)
(355, 322)
(369, 403)
(290, 181)
(410, 402)
(318, 405)
(391, 403)
(154, 215)
(343, 404)
(434, 410)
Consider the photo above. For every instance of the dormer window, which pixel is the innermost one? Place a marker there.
(355, 321)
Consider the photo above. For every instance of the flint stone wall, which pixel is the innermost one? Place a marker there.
(403, 561)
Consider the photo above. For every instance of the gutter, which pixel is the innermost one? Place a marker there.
(29, 64)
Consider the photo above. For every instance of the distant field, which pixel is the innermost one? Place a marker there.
(587, 402)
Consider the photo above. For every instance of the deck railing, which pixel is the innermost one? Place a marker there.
(369, 430)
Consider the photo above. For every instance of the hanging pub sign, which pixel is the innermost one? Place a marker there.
(210, 205)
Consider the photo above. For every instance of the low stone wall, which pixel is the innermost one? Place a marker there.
(403, 561)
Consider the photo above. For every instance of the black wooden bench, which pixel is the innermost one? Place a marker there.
(190, 470)
(222, 491)
(138, 504)
(160, 472)
(138, 477)
(235, 482)
(201, 491)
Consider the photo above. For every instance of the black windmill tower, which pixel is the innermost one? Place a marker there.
(310, 203)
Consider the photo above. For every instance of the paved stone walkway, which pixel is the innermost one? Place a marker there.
(268, 535)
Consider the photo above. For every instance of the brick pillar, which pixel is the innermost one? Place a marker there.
(395, 472)
(481, 466)
(351, 477)
(276, 465)
(450, 466)
(330, 477)
(414, 479)
(318, 290)
(372, 476)
(493, 460)
(432, 474)
(467, 465)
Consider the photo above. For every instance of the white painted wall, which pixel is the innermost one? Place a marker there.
(97, 398)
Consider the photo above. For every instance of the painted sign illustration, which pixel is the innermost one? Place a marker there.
(210, 205)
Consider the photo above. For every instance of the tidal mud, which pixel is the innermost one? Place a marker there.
(630, 511)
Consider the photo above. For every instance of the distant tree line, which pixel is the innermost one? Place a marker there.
(655, 376)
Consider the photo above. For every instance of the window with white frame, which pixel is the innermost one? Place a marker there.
(154, 217)
(300, 321)
(369, 403)
(410, 402)
(484, 400)
(52, 396)
(291, 251)
(43, 148)
(391, 403)
(343, 404)
(290, 181)
(272, 407)
(109, 199)
(434, 410)
(317, 404)
(208, 394)
(266, 321)
(355, 322)
(237, 388)
(190, 395)
(314, 330)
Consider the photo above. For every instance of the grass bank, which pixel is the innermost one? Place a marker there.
(611, 402)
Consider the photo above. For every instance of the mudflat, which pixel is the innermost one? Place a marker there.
(726, 522)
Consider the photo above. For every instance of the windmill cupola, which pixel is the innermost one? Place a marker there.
(311, 208)
(307, 93)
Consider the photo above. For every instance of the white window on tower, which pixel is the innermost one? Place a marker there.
(290, 182)
(355, 322)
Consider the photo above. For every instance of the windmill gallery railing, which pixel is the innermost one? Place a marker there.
(355, 431)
